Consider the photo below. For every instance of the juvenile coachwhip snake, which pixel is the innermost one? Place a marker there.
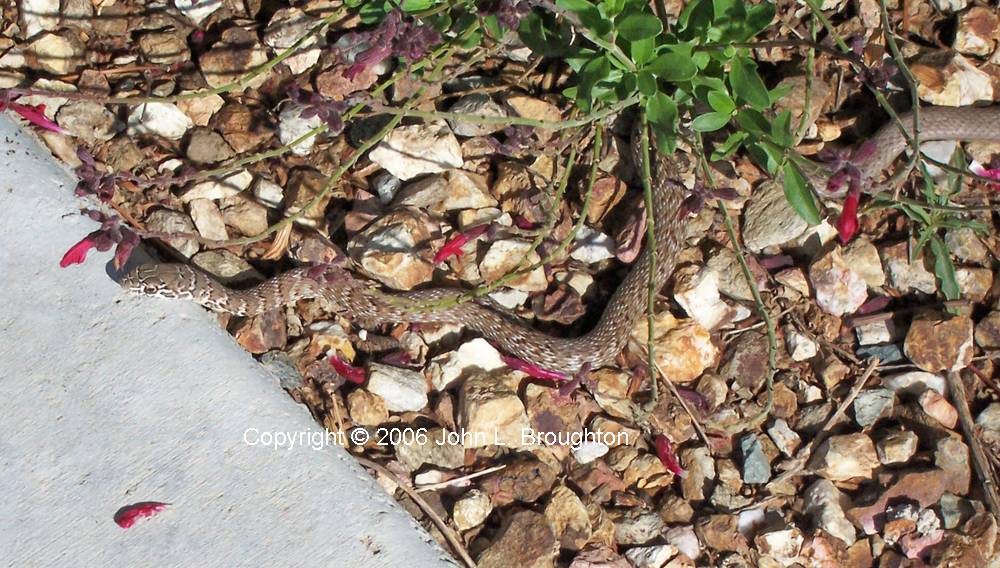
(565, 355)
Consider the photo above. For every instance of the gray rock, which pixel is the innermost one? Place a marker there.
(873, 405)
(756, 468)
(403, 390)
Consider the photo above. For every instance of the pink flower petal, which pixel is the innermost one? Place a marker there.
(847, 223)
(36, 115)
(532, 370)
(665, 451)
(126, 516)
(77, 253)
(454, 246)
(350, 373)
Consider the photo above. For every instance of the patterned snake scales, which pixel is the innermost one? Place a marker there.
(565, 355)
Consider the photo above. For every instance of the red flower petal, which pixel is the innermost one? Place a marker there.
(36, 115)
(847, 223)
(126, 516)
(78, 252)
(665, 451)
(454, 246)
(351, 373)
(532, 370)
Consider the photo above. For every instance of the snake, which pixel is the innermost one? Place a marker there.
(566, 355)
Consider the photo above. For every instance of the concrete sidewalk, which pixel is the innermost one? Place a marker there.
(110, 399)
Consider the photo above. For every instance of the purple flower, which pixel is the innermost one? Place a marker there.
(701, 194)
(92, 181)
(327, 110)
(110, 234)
(394, 36)
(509, 13)
(844, 167)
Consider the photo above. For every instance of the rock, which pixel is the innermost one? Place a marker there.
(847, 457)
(246, 216)
(651, 556)
(263, 333)
(638, 529)
(201, 110)
(167, 221)
(208, 147)
(283, 368)
(987, 334)
(824, 504)
(38, 16)
(287, 26)
(56, 54)
(872, 405)
(525, 539)
(949, 79)
(683, 349)
(769, 220)
(268, 193)
(611, 391)
(453, 190)
(745, 361)
(732, 282)
(480, 105)
(591, 246)
(243, 127)
(471, 509)
(394, 249)
(950, 5)
(491, 412)
(989, 422)
(232, 184)
(800, 347)
(197, 10)
(88, 121)
(897, 447)
(863, 258)
(965, 244)
(720, 533)
(878, 332)
(435, 447)
(974, 283)
(938, 408)
(756, 468)
(599, 556)
(526, 479)
(473, 356)
(158, 119)
(923, 487)
(832, 371)
(952, 456)
(912, 528)
(795, 279)
(504, 255)
(403, 390)
(886, 353)
(785, 439)
(699, 467)
(978, 31)
(697, 291)
(410, 151)
(939, 342)
(530, 107)
(783, 545)
(164, 48)
(906, 276)
(839, 290)
(291, 127)
(232, 57)
(686, 541)
(916, 382)
(367, 408)
(208, 219)
(569, 518)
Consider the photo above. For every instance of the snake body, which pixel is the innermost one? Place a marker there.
(564, 355)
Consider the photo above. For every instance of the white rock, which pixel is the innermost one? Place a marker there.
(916, 382)
(799, 346)
(291, 126)
(161, 119)
(286, 27)
(685, 540)
(965, 84)
(509, 298)
(769, 220)
(825, 505)
(589, 451)
(56, 54)
(863, 258)
(38, 16)
(268, 192)
(874, 333)
(651, 556)
(410, 151)
(480, 105)
(950, 5)
(448, 369)
(783, 545)
(897, 447)
(386, 186)
(696, 289)
(839, 290)
(472, 509)
(208, 219)
(591, 246)
(786, 439)
(198, 10)
(403, 390)
(503, 255)
(231, 185)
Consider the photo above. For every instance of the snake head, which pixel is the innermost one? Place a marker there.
(161, 280)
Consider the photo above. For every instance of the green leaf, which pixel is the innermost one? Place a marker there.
(799, 196)
(594, 71)
(590, 16)
(753, 122)
(673, 67)
(778, 92)
(639, 26)
(627, 86)
(710, 122)
(757, 19)
(781, 130)
(721, 102)
(944, 269)
(646, 83)
(662, 111)
(747, 84)
(642, 51)
(729, 147)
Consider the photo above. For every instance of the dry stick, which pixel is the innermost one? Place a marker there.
(802, 458)
(442, 526)
(458, 480)
(695, 422)
(979, 459)
(647, 188)
(986, 380)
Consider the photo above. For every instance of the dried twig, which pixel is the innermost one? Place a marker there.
(983, 466)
